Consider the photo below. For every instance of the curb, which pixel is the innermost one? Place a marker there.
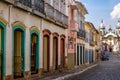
(73, 74)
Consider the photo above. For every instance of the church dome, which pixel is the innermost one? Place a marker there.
(110, 29)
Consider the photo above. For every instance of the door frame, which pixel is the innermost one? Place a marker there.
(37, 51)
(56, 35)
(3, 25)
(23, 29)
(46, 32)
(62, 37)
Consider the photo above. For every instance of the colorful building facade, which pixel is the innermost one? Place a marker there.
(91, 45)
(80, 55)
(72, 33)
(33, 37)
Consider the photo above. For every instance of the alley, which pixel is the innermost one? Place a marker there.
(106, 70)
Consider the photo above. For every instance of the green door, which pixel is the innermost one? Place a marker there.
(34, 44)
(18, 53)
(0, 53)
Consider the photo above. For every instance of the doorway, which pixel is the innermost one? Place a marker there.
(46, 53)
(18, 53)
(62, 53)
(34, 52)
(55, 53)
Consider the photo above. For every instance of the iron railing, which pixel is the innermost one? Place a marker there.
(39, 5)
(58, 15)
(65, 19)
(49, 10)
(81, 33)
(25, 2)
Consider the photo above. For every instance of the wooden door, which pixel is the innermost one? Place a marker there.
(46, 53)
(55, 53)
(62, 53)
(0, 53)
(17, 54)
(33, 53)
(81, 55)
(77, 55)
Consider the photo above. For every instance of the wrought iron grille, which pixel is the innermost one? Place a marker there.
(26, 2)
(39, 5)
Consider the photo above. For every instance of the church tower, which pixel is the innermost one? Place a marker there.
(102, 28)
(118, 28)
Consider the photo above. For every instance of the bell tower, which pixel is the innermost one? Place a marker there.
(118, 28)
(102, 28)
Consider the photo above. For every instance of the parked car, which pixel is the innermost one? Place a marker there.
(105, 55)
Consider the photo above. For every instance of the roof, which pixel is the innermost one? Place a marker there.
(110, 34)
(82, 5)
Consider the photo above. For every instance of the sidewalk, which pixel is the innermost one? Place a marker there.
(66, 74)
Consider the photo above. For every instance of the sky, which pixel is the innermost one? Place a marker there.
(106, 10)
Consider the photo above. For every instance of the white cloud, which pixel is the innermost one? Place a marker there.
(116, 11)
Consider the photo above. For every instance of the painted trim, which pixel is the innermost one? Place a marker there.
(62, 37)
(3, 21)
(33, 31)
(18, 23)
(23, 45)
(55, 35)
(47, 32)
(3, 25)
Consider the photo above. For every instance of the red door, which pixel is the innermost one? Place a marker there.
(62, 53)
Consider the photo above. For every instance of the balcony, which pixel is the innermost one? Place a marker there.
(73, 5)
(49, 10)
(91, 42)
(9, 1)
(38, 7)
(58, 16)
(73, 26)
(65, 19)
(24, 4)
(55, 15)
(81, 34)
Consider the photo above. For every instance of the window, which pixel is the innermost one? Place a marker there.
(62, 6)
(56, 4)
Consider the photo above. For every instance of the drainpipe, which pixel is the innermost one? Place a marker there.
(9, 15)
(41, 44)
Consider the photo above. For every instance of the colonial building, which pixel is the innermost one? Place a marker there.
(72, 33)
(80, 55)
(110, 38)
(91, 43)
(33, 37)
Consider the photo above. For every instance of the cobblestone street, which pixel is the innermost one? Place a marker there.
(106, 70)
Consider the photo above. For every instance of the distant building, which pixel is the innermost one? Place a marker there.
(110, 38)
(91, 43)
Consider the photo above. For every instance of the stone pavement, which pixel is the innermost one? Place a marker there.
(105, 70)
(66, 74)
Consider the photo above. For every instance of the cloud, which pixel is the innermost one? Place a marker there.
(116, 11)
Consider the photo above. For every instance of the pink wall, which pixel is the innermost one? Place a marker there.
(71, 34)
